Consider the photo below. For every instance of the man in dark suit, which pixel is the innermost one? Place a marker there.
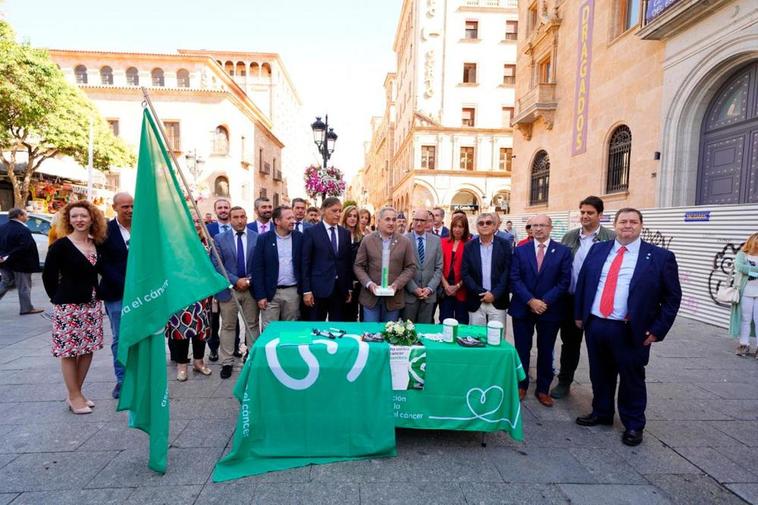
(627, 297)
(485, 267)
(438, 223)
(299, 205)
(221, 208)
(540, 277)
(276, 269)
(18, 259)
(326, 267)
(263, 210)
(236, 249)
(113, 254)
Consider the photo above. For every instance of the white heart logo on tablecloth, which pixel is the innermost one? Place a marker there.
(482, 400)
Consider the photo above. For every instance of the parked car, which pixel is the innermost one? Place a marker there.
(39, 225)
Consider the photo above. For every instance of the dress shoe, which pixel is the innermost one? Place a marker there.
(226, 371)
(33, 311)
(561, 390)
(544, 399)
(237, 353)
(593, 420)
(521, 394)
(83, 410)
(116, 391)
(213, 356)
(632, 437)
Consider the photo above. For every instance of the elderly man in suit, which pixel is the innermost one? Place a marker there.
(627, 297)
(368, 268)
(327, 254)
(18, 259)
(421, 290)
(276, 269)
(540, 278)
(236, 249)
(113, 254)
(485, 268)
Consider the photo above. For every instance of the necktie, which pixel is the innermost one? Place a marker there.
(241, 270)
(263, 228)
(299, 226)
(540, 255)
(421, 251)
(436, 232)
(609, 290)
(224, 227)
(333, 239)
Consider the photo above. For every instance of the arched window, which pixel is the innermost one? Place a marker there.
(81, 74)
(229, 67)
(255, 70)
(241, 69)
(619, 154)
(266, 71)
(132, 76)
(106, 75)
(221, 141)
(182, 78)
(540, 184)
(157, 75)
(221, 186)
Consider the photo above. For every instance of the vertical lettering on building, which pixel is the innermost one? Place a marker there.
(583, 63)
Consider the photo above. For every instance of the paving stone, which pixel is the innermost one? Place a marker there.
(118, 436)
(34, 437)
(76, 497)
(744, 410)
(57, 412)
(652, 457)
(744, 431)
(166, 495)
(6, 498)
(538, 465)
(607, 466)
(402, 493)
(53, 470)
(732, 391)
(201, 433)
(565, 434)
(717, 465)
(748, 492)
(745, 457)
(7, 458)
(690, 434)
(512, 494)
(687, 410)
(236, 492)
(691, 489)
(613, 493)
(671, 391)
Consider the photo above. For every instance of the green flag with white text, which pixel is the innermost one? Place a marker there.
(167, 270)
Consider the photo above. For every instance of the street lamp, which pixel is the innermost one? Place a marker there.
(194, 163)
(324, 138)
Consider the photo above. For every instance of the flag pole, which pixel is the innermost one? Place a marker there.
(206, 234)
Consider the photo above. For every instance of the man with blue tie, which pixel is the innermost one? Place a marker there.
(221, 208)
(421, 290)
(540, 277)
(236, 249)
(627, 297)
(327, 265)
(299, 206)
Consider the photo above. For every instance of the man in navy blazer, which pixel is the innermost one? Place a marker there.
(540, 278)
(484, 270)
(221, 209)
(438, 223)
(263, 210)
(327, 265)
(299, 206)
(236, 249)
(627, 297)
(276, 268)
(18, 259)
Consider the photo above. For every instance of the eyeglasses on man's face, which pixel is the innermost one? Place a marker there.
(540, 225)
(485, 223)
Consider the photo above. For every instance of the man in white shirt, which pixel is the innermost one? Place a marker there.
(263, 210)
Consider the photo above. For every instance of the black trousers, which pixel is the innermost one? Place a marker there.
(179, 349)
(571, 344)
(332, 307)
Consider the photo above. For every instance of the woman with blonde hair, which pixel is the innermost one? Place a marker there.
(744, 318)
(70, 279)
(351, 221)
(364, 221)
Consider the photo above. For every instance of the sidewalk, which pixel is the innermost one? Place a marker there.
(701, 441)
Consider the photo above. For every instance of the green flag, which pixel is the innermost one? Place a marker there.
(167, 270)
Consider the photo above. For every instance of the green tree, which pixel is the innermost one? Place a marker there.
(42, 116)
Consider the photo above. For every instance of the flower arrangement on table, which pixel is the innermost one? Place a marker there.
(401, 333)
(323, 182)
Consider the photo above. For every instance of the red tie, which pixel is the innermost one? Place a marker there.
(540, 255)
(609, 290)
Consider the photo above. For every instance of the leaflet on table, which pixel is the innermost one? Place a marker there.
(408, 367)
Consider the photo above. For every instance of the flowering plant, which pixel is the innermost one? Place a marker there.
(400, 333)
(323, 182)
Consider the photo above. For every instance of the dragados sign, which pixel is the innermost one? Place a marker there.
(583, 62)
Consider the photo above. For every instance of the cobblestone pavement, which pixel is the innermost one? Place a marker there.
(701, 442)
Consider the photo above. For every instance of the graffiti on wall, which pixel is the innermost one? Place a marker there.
(656, 237)
(721, 270)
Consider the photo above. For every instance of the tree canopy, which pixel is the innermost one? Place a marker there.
(43, 116)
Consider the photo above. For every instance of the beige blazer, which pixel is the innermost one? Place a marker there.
(368, 268)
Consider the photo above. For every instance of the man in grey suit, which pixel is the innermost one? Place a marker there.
(421, 290)
(236, 248)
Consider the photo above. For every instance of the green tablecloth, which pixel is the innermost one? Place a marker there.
(309, 400)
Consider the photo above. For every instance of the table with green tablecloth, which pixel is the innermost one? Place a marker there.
(307, 399)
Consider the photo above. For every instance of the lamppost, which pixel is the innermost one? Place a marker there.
(194, 163)
(324, 138)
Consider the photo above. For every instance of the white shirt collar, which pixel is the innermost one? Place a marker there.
(592, 234)
(634, 247)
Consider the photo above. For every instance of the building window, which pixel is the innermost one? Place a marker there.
(540, 183)
(221, 186)
(472, 30)
(629, 14)
(132, 76)
(276, 200)
(469, 73)
(619, 156)
(546, 71)
(506, 159)
(467, 158)
(241, 67)
(428, 155)
(263, 193)
(229, 68)
(511, 29)
(507, 116)
(157, 76)
(172, 135)
(106, 75)
(182, 78)
(509, 75)
(468, 116)
(81, 74)
(221, 141)
(113, 125)
(532, 17)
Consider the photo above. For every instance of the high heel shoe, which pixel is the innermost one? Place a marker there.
(83, 410)
(181, 375)
(203, 370)
(90, 404)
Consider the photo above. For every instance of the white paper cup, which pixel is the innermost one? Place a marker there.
(494, 332)
(449, 329)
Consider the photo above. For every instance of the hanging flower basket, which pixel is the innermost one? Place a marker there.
(323, 182)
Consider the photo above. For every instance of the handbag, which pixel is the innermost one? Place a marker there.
(728, 294)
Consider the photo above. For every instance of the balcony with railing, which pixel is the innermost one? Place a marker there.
(277, 174)
(265, 168)
(540, 101)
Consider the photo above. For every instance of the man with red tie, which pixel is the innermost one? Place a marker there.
(627, 297)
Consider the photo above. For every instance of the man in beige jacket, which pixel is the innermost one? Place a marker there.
(368, 268)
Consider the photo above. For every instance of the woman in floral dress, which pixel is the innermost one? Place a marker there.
(70, 279)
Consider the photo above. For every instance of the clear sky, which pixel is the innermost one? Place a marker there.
(336, 51)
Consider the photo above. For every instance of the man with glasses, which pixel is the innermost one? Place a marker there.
(421, 290)
(485, 267)
(540, 278)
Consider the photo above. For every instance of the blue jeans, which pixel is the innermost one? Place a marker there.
(379, 313)
(113, 309)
